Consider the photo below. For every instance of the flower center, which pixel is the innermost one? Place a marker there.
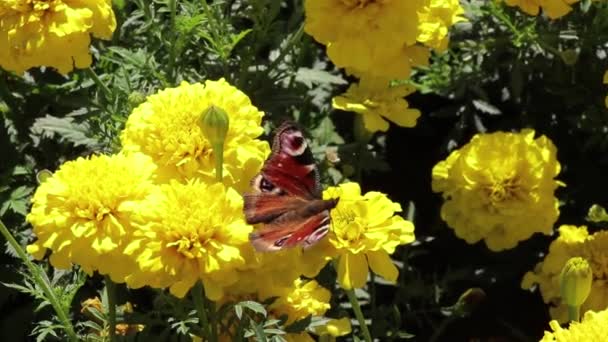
(347, 227)
(189, 246)
(503, 190)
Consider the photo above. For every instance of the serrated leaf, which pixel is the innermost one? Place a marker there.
(259, 332)
(238, 310)
(254, 306)
(274, 331)
(66, 128)
(310, 77)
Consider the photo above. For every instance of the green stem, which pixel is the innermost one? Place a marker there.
(42, 282)
(104, 88)
(219, 161)
(574, 313)
(111, 294)
(199, 302)
(359, 314)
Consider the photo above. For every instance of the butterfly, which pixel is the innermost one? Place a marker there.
(287, 196)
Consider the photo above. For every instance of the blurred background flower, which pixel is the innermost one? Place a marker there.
(52, 33)
(499, 188)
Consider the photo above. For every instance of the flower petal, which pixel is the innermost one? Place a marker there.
(382, 265)
(352, 270)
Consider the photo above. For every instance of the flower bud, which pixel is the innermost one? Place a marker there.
(575, 281)
(214, 123)
(136, 98)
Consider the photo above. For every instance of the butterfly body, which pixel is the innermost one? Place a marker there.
(287, 196)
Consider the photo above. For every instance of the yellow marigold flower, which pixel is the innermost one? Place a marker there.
(376, 100)
(86, 212)
(500, 188)
(303, 298)
(365, 230)
(572, 242)
(334, 327)
(435, 20)
(367, 30)
(197, 232)
(594, 327)
(165, 127)
(552, 8)
(53, 33)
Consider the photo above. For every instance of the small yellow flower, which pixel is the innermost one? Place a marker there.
(572, 242)
(334, 327)
(552, 8)
(86, 212)
(434, 21)
(303, 298)
(197, 232)
(165, 127)
(365, 230)
(499, 188)
(594, 327)
(53, 33)
(376, 101)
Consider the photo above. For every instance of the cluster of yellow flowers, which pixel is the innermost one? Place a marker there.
(552, 8)
(53, 33)
(499, 188)
(572, 242)
(154, 214)
(378, 41)
(593, 327)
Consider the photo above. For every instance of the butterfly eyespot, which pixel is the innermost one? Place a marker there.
(266, 186)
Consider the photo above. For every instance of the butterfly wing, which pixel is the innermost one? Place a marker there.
(278, 235)
(286, 195)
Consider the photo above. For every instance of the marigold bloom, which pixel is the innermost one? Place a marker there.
(365, 31)
(86, 212)
(196, 232)
(373, 37)
(303, 298)
(572, 242)
(593, 327)
(499, 188)
(364, 231)
(434, 21)
(165, 127)
(53, 33)
(552, 8)
(376, 100)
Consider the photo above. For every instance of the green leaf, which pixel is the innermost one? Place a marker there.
(67, 129)
(299, 325)
(254, 306)
(311, 77)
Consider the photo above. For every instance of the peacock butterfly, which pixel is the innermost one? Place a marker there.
(287, 196)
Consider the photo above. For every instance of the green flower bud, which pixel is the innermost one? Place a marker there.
(136, 98)
(569, 56)
(214, 123)
(575, 284)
